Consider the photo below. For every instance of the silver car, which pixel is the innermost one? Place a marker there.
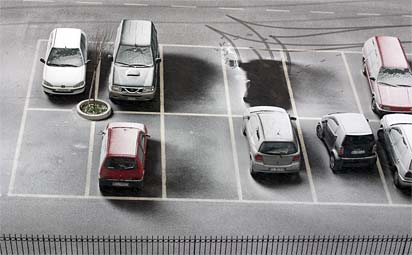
(395, 133)
(273, 144)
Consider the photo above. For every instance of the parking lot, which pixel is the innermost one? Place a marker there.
(196, 151)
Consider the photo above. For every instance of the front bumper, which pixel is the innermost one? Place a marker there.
(142, 96)
(63, 91)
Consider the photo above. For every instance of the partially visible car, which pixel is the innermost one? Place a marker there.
(389, 75)
(348, 139)
(395, 133)
(65, 62)
(273, 143)
(123, 155)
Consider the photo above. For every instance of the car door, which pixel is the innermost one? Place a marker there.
(395, 138)
(141, 151)
(330, 133)
(252, 127)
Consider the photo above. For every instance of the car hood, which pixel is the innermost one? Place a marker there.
(395, 96)
(67, 76)
(133, 76)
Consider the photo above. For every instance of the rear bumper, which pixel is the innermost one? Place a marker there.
(143, 96)
(261, 168)
(359, 162)
(120, 183)
(383, 111)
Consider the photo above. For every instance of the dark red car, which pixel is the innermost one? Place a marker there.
(123, 155)
(389, 75)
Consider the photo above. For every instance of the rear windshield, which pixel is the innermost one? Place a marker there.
(140, 56)
(359, 140)
(395, 77)
(279, 148)
(119, 163)
(65, 57)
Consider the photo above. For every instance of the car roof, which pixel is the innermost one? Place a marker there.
(397, 119)
(353, 123)
(122, 138)
(276, 126)
(67, 38)
(136, 32)
(391, 51)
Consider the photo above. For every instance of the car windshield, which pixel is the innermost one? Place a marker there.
(134, 56)
(65, 57)
(120, 163)
(278, 148)
(395, 77)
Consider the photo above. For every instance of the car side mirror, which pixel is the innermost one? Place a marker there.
(292, 118)
(148, 136)
(101, 132)
(246, 117)
(110, 58)
(87, 61)
(372, 78)
(158, 60)
(43, 61)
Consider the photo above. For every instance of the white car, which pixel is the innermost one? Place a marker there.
(395, 134)
(273, 144)
(64, 69)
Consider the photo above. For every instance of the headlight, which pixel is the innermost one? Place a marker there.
(47, 83)
(148, 89)
(78, 84)
(116, 88)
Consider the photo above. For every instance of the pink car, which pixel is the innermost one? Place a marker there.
(389, 75)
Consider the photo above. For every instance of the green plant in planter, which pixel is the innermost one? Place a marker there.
(93, 107)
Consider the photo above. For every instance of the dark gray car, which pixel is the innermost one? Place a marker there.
(348, 139)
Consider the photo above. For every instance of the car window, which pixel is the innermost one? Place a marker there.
(65, 57)
(278, 148)
(120, 163)
(395, 77)
(83, 45)
(254, 122)
(358, 140)
(395, 136)
(103, 149)
(134, 55)
(332, 125)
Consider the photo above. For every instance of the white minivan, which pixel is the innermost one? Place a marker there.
(65, 62)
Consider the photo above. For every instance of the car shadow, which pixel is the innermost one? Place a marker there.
(267, 84)
(274, 181)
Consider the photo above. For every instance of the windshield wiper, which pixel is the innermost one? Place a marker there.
(387, 84)
(403, 85)
(63, 65)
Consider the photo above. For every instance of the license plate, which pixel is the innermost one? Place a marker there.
(132, 98)
(120, 184)
(358, 152)
(277, 169)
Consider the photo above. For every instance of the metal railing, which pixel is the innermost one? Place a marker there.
(62, 244)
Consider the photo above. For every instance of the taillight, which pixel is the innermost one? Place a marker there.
(296, 158)
(258, 157)
(340, 151)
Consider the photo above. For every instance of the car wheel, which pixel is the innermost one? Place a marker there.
(334, 164)
(363, 66)
(251, 170)
(319, 131)
(244, 131)
(396, 180)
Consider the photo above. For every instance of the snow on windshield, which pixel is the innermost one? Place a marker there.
(395, 77)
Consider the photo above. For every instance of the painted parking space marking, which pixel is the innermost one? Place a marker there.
(183, 6)
(23, 121)
(367, 14)
(231, 129)
(322, 12)
(206, 200)
(91, 3)
(90, 158)
(135, 4)
(277, 10)
(231, 8)
(378, 164)
(299, 129)
(162, 125)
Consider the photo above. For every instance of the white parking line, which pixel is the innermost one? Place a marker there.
(231, 129)
(39, 109)
(23, 121)
(91, 3)
(378, 164)
(277, 10)
(90, 158)
(231, 8)
(200, 200)
(162, 125)
(45, 1)
(183, 6)
(407, 16)
(367, 14)
(322, 12)
(135, 4)
(299, 129)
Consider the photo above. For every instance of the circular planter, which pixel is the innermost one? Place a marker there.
(94, 109)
